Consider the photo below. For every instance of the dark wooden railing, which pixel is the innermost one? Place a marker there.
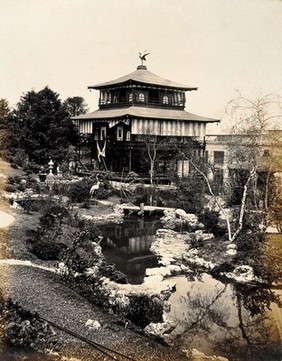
(152, 103)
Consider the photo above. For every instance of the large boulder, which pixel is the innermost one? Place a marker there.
(189, 218)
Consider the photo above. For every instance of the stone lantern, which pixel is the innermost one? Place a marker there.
(51, 166)
(50, 178)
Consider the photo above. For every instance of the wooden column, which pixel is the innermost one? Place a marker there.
(129, 160)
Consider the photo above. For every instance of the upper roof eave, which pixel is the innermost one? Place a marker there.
(143, 76)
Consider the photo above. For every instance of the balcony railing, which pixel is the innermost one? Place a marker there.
(152, 103)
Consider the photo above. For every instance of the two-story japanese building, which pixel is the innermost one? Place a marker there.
(133, 107)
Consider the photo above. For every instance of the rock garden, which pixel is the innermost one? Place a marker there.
(56, 228)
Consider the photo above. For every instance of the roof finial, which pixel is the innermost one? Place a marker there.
(143, 57)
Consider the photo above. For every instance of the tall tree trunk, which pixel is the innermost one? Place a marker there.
(266, 190)
(225, 215)
(243, 205)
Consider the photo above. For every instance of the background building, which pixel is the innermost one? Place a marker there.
(229, 153)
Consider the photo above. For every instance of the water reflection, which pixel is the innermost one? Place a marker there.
(127, 245)
(239, 322)
(226, 320)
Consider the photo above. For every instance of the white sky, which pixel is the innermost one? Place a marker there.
(216, 45)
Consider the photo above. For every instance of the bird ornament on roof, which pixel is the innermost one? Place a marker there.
(143, 57)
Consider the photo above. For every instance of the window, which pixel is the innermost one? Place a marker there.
(103, 132)
(119, 133)
(130, 98)
(165, 99)
(218, 157)
(206, 156)
(102, 99)
(128, 136)
(109, 97)
(141, 97)
(115, 99)
(96, 135)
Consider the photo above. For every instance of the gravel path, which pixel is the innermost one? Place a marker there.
(41, 291)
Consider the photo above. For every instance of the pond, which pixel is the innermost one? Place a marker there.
(226, 319)
(239, 322)
(127, 245)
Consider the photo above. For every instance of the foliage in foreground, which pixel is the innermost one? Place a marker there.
(22, 328)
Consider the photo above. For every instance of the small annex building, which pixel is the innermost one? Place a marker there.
(132, 110)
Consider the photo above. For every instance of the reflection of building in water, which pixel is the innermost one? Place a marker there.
(134, 244)
(127, 245)
(130, 236)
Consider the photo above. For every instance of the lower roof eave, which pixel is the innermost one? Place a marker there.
(144, 113)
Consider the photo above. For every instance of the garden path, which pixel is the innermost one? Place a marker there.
(43, 292)
(6, 219)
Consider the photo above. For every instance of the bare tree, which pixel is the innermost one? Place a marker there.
(246, 150)
(256, 144)
(154, 147)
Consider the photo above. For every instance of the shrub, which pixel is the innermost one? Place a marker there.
(190, 194)
(222, 268)
(20, 158)
(54, 213)
(21, 187)
(254, 221)
(47, 250)
(32, 167)
(86, 204)
(148, 194)
(14, 165)
(78, 260)
(249, 241)
(44, 242)
(79, 192)
(82, 254)
(10, 188)
(110, 271)
(144, 309)
(14, 179)
(210, 220)
(197, 243)
(103, 193)
(25, 329)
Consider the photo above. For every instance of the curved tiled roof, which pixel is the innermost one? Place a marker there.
(143, 76)
(144, 112)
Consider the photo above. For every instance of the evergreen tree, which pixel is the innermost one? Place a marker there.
(40, 127)
(75, 106)
(4, 112)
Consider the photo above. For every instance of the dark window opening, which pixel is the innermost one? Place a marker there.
(219, 157)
